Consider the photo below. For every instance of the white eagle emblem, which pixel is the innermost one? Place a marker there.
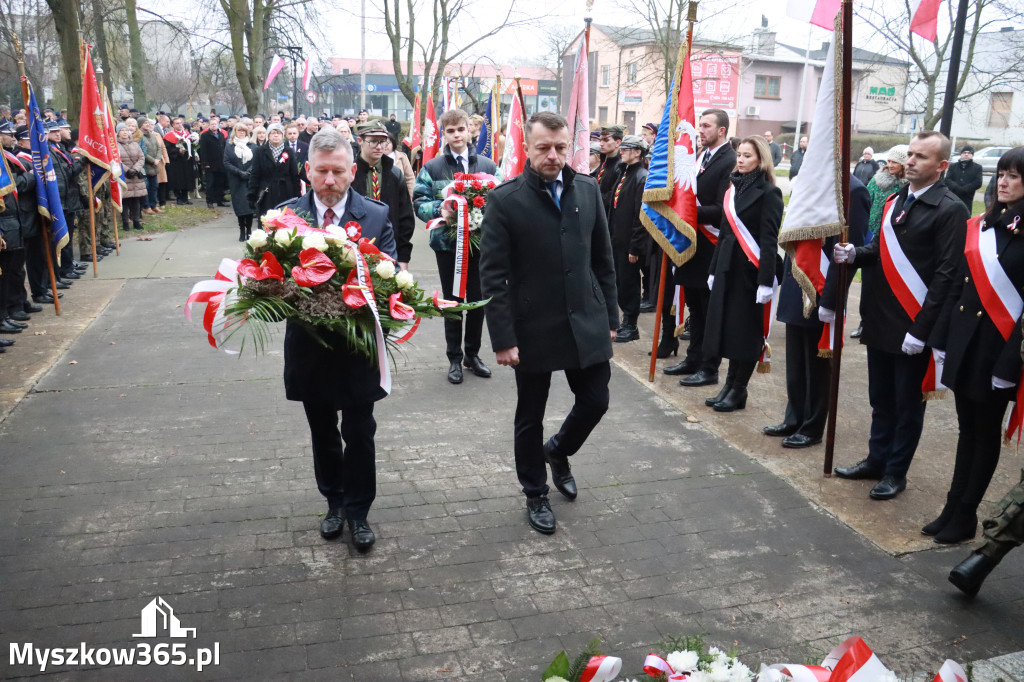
(685, 159)
(429, 134)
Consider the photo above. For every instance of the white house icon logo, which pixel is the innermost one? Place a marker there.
(159, 616)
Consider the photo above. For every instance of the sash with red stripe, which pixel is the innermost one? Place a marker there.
(826, 344)
(11, 158)
(708, 230)
(753, 252)
(910, 290)
(679, 306)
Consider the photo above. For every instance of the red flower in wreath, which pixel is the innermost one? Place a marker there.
(353, 293)
(399, 310)
(460, 186)
(270, 268)
(479, 202)
(441, 303)
(476, 184)
(315, 268)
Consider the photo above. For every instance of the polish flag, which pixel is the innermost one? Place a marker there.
(307, 75)
(818, 12)
(276, 64)
(431, 135)
(414, 125)
(579, 112)
(924, 18)
(513, 159)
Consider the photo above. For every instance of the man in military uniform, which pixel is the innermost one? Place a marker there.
(14, 224)
(607, 174)
(629, 237)
(1002, 532)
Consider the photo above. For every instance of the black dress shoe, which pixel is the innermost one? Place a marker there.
(6, 343)
(475, 365)
(735, 399)
(710, 402)
(333, 524)
(561, 472)
(648, 307)
(6, 327)
(70, 275)
(855, 334)
(15, 323)
(970, 573)
(685, 367)
(32, 307)
(20, 316)
(780, 430)
(667, 347)
(799, 440)
(701, 377)
(81, 267)
(61, 284)
(45, 298)
(627, 333)
(362, 535)
(962, 526)
(888, 488)
(539, 514)
(455, 373)
(861, 470)
(88, 257)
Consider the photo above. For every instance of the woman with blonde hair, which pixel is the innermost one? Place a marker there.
(238, 157)
(744, 271)
(259, 136)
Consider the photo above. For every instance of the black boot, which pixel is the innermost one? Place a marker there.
(962, 526)
(970, 573)
(241, 234)
(943, 518)
(711, 402)
(735, 399)
(669, 344)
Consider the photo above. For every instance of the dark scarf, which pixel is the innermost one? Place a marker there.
(744, 181)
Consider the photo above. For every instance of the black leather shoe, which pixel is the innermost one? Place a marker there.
(362, 535)
(888, 488)
(455, 373)
(6, 343)
(711, 402)
(19, 316)
(7, 328)
(475, 365)
(735, 399)
(62, 284)
(700, 378)
(627, 333)
(88, 257)
(861, 470)
(780, 430)
(80, 267)
(648, 307)
(667, 347)
(970, 573)
(855, 334)
(539, 514)
(942, 519)
(32, 308)
(799, 440)
(45, 298)
(684, 367)
(333, 524)
(561, 472)
(962, 526)
(15, 323)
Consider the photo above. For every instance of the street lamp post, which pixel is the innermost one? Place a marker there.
(296, 54)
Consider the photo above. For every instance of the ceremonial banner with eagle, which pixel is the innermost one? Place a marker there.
(669, 211)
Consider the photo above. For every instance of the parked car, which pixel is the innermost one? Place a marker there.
(988, 157)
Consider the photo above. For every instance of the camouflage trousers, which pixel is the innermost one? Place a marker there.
(104, 224)
(1005, 530)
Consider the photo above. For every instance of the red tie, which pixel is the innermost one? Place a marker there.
(328, 217)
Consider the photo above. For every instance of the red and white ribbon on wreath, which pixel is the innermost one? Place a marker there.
(214, 292)
(460, 205)
(951, 672)
(753, 252)
(655, 666)
(601, 669)
(851, 661)
(363, 275)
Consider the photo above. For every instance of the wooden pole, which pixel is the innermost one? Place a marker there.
(43, 220)
(843, 282)
(92, 222)
(110, 176)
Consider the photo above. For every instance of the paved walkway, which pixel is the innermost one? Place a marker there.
(145, 464)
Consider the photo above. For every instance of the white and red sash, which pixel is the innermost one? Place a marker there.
(826, 344)
(11, 158)
(708, 230)
(679, 306)
(753, 252)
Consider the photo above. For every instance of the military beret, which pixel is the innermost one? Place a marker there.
(634, 142)
(615, 130)
(374, 127)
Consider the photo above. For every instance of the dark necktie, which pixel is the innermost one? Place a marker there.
(328, 217)
(704, 161)
(910, 200)
(553, 191)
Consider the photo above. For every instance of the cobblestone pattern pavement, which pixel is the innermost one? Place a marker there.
(157, 466)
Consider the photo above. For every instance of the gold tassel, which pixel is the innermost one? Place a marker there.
(679, 330)
(934, 395)
(824, 352)
(765, 366)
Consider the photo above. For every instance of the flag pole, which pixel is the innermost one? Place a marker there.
(83, 52)
(843, 281)
(110, 176)
(691, 18)
(43, 220)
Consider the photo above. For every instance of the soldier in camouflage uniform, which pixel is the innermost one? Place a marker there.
(104, 222)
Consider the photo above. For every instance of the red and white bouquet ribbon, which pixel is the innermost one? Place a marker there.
(851, 661)
(214, 292)
(601, 669)
(460, 205)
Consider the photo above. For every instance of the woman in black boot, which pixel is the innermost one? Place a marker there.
(982, 338)
(238, 158)
(744, 271)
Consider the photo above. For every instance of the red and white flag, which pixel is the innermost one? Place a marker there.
(307, 75)
(818, 12)
(513, 158)
(414, 125)
(276, 64)
(431, 140)
(578, 113)
(924, 18)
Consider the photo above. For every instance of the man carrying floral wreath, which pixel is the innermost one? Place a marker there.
(546, 264)
(337, 379)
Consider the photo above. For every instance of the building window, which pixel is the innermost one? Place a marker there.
(999, 110)
(767, 86)
(606, 76)
(631, 74)
(602, 115)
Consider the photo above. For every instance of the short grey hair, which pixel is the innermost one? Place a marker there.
(328, 139)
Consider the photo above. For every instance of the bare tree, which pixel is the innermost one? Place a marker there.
(927, 83)
(32, 22)
(138, 59)
(559, 38)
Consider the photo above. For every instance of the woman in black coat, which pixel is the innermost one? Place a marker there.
(239, 154)
(739, 290)
(983, 357)
(275, 173)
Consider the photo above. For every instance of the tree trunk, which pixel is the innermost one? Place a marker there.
(65, 19)
(246, 33)
(101, 45)
(138, 59)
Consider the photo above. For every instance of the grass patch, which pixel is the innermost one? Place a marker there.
(782, 172)
(177, 217)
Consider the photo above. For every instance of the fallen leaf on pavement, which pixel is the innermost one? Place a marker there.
(73, 362)
(39, 333)
(143, 239)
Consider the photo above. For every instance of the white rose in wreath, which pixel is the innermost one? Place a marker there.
(258, 239)
(404, 280)
(683, 661)
(385, 269)
(314, 241)
(283, 237)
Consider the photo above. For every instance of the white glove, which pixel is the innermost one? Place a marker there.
(711, 281)
(825, 315)
(911, 345)
(844, 253)
(764, 294)
(998, 383)
(940, 358)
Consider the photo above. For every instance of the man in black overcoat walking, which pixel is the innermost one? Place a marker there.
(546, 264)
(337, 379)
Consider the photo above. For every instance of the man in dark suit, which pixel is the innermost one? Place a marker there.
(211, 156)
(607, 174)
(301, 149)
(715, 163)
(630, 240)
(329, 380)
(964, 177)
(546, 264)
(929, 224)
(808, 376)
(377, 178)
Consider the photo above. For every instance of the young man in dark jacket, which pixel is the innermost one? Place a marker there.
(630, 240)
(458, 157)
(211, 156)
(377, 178)
(964, 177)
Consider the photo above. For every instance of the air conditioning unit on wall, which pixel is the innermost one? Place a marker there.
(753, 110)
